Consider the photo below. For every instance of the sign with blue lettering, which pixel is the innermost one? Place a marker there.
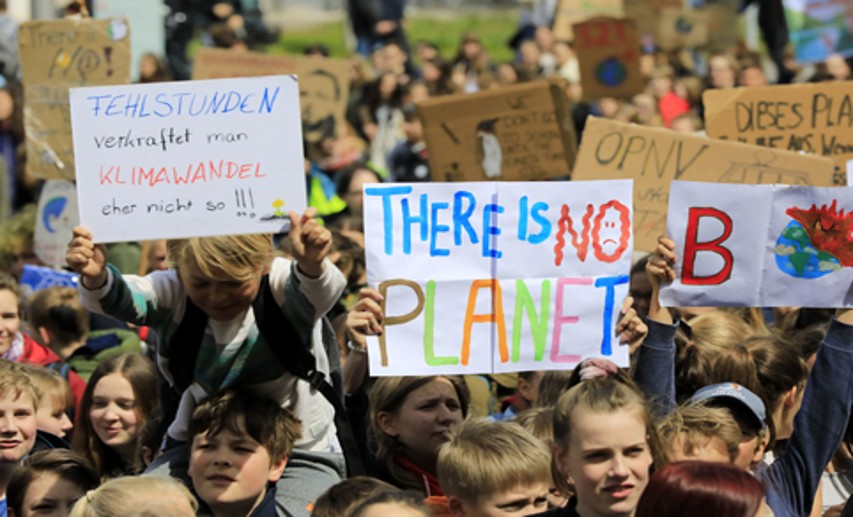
(486, 277)
(188, 159)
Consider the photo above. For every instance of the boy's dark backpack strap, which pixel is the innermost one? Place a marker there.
(184, 345)
(298, 359)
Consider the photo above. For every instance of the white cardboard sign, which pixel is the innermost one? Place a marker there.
(497, 277)
(185, 159)
(761, 245)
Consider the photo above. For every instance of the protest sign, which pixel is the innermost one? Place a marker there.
(683, 28)
(196, 158)
(646, 13)
(497, 277)
(523, 132)
(149, 27)
(55, 218)
(55, 56)
(724, 21)
(654, 157)
(323, 83)
(570, 12)
(761, 245)
(819, 28)
(608, 51)
(814, 118)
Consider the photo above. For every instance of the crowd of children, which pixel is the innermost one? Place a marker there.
(228, 376)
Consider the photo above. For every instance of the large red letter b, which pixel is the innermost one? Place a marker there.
(691, 248)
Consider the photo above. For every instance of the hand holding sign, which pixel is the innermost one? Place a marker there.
(365, 318)
(631, 329)
(87, 258)
(660, 268)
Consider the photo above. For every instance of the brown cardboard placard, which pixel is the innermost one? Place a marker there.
(654, 157)
(683, 28)
(57, 55)
(722, 26)
(814, 118)
(645, 13)
(519, 133)
(608, 51)
(323, 83)
(570, 12)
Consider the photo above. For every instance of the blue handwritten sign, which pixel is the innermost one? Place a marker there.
(186, 159)
(490, 277)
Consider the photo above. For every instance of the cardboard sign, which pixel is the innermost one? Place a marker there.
(819, 28)
(813, 118)
(608, 53)
(497, 277)
(724, 23)
(193, 158)
(683, 28)
(646, 13)
(523, 132)
(570, 12)
(55, 218)
(323, 83)
(55, 56)
(654, 157)
(761, 245)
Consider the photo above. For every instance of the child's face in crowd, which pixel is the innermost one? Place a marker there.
(10, 321)
(608, 458)
(750, 451)
(518, 501)
(113, 413)
(50, 495)
(220, 297)
(231, 471)
(423, 422)
(51, 416)
(17, 426)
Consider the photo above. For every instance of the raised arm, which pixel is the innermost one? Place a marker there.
(819, 425)
(654, 372)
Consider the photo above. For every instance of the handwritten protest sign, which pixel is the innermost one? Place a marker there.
(683, 28)
(323, 83)
(55, 56)
(196, 158)
(723, 29)
(819, 28)
(497, 277)
(654, 157)
(761, 245)
(608, 51)
(646, 13)
(814, 118)
(522, 132)
(570, 12)
(55, 218)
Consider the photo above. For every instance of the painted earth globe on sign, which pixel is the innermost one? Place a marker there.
(611, 72)
(797, 256)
